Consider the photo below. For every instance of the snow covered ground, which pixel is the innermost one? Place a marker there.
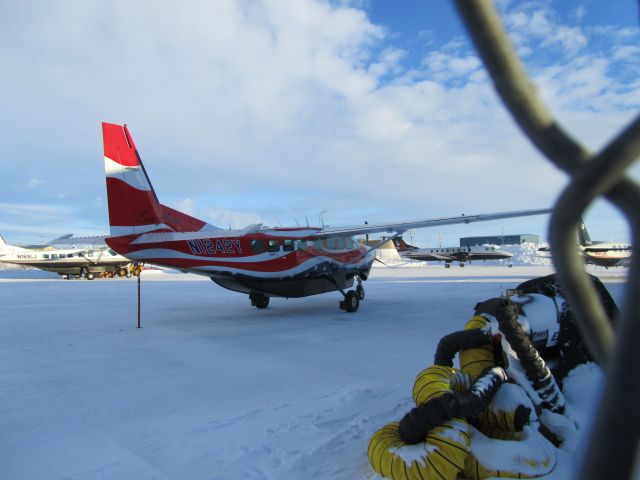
(213, 388)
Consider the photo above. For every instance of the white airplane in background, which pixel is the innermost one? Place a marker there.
(69, 262)
(603, 254)
(450, 254)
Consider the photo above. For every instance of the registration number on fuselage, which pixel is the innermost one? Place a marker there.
(214, 247)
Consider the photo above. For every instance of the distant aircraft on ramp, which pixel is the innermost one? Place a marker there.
(69, 262)
(259, 261)
(603, 254)
(450, 254)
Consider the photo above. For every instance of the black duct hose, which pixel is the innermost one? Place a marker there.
(536, 370)
(415, 425)
(451, 344)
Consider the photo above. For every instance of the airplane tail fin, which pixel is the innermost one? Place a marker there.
(402, 246)
(6, 249)
(583, 235)
(133, 205)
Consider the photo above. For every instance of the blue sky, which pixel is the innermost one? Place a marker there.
(275, 111)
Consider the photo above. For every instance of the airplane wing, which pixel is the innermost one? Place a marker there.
(400, 228)
(71, 240)
(59, 239)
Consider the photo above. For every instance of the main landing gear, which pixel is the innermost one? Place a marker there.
(352, 298)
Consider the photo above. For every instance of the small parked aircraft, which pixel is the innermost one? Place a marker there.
(70, 262)
(450, 254)
(259, 261)
(603, 254)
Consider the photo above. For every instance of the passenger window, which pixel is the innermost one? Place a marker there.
(318, 244)
(46, 255)
(69, 255)
(339, 243)
(301, 245)
(348, 243)
(287, 246)
(54, 255)
(273, 246)
(257, 245)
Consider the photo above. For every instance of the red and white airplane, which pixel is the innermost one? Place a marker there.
(259, 261)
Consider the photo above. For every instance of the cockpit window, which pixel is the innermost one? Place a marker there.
(287, 246)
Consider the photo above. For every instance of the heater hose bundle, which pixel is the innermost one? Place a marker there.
(454, 408)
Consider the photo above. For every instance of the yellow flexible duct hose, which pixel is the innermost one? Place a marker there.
(441, 456)
(474, 360)
(437, 380)
(515, 461)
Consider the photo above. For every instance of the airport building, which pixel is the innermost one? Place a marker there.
(500, 240)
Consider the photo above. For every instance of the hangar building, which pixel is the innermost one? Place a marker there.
(500, 240)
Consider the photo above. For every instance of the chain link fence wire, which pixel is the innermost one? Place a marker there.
(613, 441)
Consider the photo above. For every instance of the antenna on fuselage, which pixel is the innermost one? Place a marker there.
(320, 218)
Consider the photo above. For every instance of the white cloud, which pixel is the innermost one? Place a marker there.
(186, 206)
(31, 184)
(227, 218)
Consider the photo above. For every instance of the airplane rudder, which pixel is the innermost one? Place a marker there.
(583, 235)
(133, 205)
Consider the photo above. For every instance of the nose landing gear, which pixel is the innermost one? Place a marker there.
(259, 300)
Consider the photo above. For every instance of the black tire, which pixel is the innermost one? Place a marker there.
(360, 292)
(259, 300)
(89, 276)
(446, 265)
(351, 302)
(509, 265)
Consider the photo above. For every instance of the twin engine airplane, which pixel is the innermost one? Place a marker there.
(450, 254)
(259, 261)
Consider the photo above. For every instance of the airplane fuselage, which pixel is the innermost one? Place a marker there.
(607, 254)
(272, 262)
(458, 254)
